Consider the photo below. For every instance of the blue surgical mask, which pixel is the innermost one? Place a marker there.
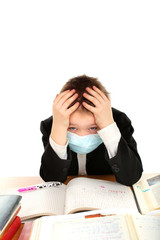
(83, 144)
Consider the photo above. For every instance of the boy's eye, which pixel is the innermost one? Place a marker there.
(93, 128)
(72, 128)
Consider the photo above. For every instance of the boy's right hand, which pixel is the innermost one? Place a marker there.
(61, 114)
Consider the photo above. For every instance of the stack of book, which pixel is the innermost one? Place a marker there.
(10, 222)
(102, 210)
(84, 194)
(126, 214)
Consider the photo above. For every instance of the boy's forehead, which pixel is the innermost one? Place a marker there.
(81, 117)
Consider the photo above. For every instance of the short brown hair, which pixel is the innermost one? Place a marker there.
(79, 84)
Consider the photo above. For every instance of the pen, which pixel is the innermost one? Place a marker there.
(54, 184)
(98, 215)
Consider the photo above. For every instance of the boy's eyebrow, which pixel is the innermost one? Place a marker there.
(74, 124)
(92, 125)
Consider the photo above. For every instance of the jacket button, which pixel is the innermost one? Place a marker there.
(115, 168)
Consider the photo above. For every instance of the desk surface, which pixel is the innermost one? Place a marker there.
(17, 182)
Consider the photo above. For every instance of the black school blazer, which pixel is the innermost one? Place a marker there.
(126, 165)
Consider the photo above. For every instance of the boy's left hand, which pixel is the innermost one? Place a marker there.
(102, 110)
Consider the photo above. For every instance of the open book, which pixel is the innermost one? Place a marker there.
(147, 193)
(125, 227)
(83, 194)
(80, 194)
(97, 226)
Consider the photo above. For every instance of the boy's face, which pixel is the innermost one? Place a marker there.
(82, 123)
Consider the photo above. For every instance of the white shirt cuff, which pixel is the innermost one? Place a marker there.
(111, 137)
(61, 150)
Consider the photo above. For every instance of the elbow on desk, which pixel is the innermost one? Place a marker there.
(130, 179)
(47, 177)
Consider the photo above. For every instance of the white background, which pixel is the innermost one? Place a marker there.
(44, 43)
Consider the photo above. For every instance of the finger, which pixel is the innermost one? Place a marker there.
(73, 108)
(97, 93)
(65, 97)
(92, 99)
(100, 92)
(59, 96)
(88, 107)
(94, 93)
(55, 98)
(70, 100)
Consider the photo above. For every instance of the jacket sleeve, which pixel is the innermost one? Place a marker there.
(52, 167)
(126, 165)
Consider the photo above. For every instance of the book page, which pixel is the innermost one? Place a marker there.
(87, 194)
(147, 227)
(41, 202)
(154, 213)
(147, 193)
(47, 222)
(154, 184)
(107, 228)
(153, 180)
(156, 192)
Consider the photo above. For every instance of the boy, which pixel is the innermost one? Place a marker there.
(87, 136)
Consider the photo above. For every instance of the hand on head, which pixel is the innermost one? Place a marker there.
(61, 109)
(80, 97)
(102, 106)
(61, 114)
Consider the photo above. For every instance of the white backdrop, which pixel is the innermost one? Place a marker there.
(44, 43)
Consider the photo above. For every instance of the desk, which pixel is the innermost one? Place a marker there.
(18, 182)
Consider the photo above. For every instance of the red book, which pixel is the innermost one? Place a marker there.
(12, 229)
(26, 231)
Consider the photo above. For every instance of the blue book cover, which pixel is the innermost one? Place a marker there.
(8, 203)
